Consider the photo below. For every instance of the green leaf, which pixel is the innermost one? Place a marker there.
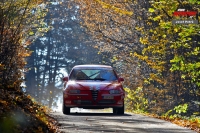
(193, 1)
(31, 33)
(151, 10)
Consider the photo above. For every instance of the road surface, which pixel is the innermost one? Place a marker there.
(84, 121)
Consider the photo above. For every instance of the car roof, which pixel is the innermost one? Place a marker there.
(92, 66)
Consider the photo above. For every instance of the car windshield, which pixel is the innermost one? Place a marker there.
(93, 74)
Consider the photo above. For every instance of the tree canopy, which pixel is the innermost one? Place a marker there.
(159, 59)
(19, 27)
(21, 21)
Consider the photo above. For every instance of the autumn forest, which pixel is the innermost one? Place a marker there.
(41, 40)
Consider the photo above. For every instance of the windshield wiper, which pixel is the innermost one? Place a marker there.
(82, 79)
(102, 79)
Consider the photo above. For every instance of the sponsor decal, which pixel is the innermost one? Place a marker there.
(185, 17)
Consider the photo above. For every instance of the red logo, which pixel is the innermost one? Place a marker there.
(182, 12)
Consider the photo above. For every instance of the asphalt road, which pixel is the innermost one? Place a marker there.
(84, 121)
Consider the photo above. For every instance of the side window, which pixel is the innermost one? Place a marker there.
(73, 74)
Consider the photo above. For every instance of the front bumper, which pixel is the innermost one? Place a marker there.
(93, 100)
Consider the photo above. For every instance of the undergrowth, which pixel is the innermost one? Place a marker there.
(20, 113)
(178, 117)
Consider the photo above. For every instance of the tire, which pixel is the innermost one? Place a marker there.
(121, 110)
(114, 110)
(118, 111)
(66, 110)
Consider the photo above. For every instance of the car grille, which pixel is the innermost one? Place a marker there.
(94, 94)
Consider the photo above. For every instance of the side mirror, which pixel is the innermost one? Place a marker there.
(120, 79)
(65, 79)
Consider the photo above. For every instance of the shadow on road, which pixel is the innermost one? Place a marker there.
(107, 122)
(96, 114)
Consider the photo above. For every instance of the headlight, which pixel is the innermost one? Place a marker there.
(114, 91)
(74, 91)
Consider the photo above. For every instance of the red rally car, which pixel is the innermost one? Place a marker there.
(93, 87)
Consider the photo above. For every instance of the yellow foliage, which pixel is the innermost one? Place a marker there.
(156, 78)
(135, 99)
(117, 10)
(144, 40)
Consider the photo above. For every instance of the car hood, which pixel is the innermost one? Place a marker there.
(92, 85)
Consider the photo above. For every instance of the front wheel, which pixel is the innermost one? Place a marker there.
(66, 110)
(119, 111)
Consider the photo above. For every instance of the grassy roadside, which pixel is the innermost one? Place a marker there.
(189, 122)
(20, 113)
(192, 123)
